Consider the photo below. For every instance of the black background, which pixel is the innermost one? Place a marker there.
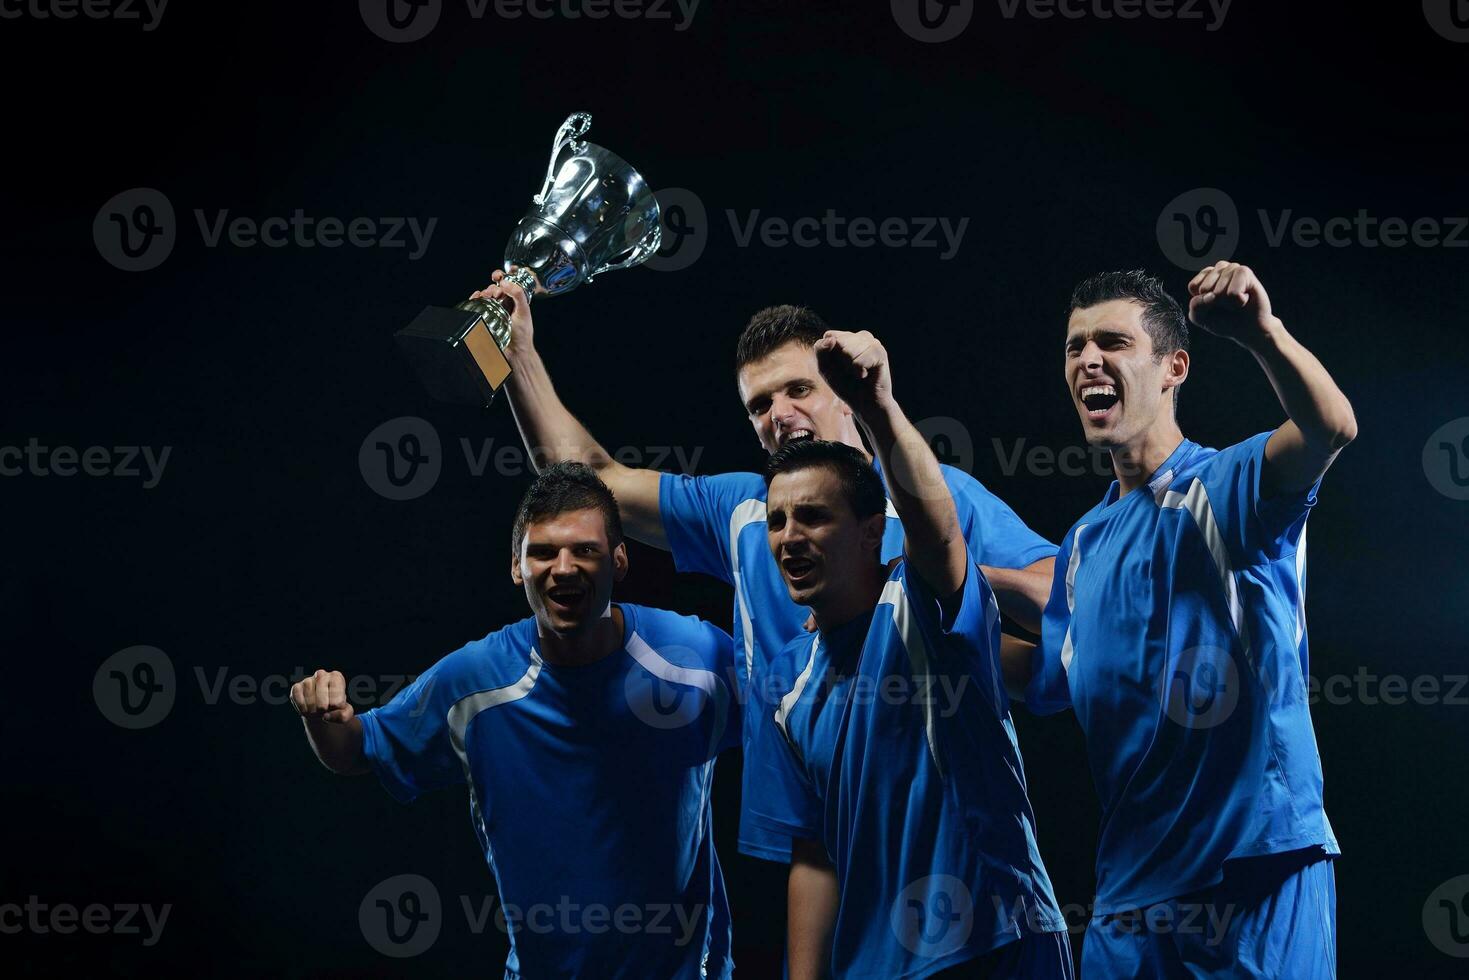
(263, 548)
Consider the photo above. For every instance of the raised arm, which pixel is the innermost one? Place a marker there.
(856, 367)
(332, 726)
(811, 911)
(551, 433)
(1227, 299)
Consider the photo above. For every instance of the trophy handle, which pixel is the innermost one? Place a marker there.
(640, 253)
(570, 132)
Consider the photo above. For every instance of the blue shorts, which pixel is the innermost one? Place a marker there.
(1272, 917)
(1034, 956)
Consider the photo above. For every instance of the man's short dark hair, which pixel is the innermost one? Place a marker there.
(860, 483)
(776, 326)
(1162, 316)
(564, 487)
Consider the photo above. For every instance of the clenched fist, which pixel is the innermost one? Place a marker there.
(509, 294)
(323, 695)
(856, 367)
(1228, 300)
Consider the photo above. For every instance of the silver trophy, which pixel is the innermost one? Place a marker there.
(594, 214)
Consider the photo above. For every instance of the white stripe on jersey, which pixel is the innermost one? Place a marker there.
(1196, 502)
(705, 680)
(788, 703)
(1301, 586)
(894, 596)
(748, 512)
(463, 712)
(1067, 650)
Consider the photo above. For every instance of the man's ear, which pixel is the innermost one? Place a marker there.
(872, 532)
(515, 575)
(1177, 372)
(619, 562)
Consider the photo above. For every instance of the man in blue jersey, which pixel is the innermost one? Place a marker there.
(1176, 631)
(716, 525)
(900, 780)
(586, 734)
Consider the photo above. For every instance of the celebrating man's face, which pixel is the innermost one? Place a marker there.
(786, 398)
(567, 568)
(1118, 386)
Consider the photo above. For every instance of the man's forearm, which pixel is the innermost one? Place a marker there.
(1306, 390)
(1022, 593)
(550, 432)
(338, 746)
(812, 895)
(920, 496)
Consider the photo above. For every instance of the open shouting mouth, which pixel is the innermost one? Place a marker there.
(1100, 399)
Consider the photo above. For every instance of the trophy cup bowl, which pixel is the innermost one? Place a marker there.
(595, 213)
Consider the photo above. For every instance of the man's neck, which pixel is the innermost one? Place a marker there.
(587, 647)
(858, 601)
(1136, 462)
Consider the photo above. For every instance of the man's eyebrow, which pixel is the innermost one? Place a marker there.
(1099, 334)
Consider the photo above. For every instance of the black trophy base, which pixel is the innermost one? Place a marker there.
(455, 356)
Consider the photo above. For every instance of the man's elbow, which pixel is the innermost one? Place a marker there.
(1345, 431)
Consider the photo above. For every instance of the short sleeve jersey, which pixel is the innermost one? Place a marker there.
(899, 755)
(1176, 630)
(589, 790)
(716, 525)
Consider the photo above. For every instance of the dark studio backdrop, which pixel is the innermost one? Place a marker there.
(1065, 145)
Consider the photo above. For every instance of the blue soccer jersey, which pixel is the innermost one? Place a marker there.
(899, 755)
(588, 789)
(716, 525)
(1176, 629)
